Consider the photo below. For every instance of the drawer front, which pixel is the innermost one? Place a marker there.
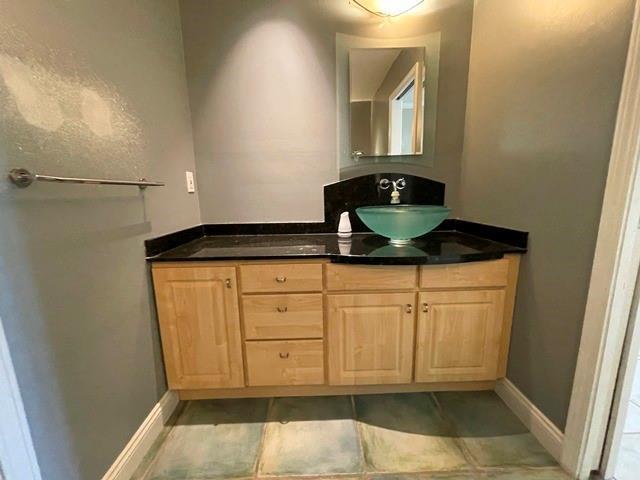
(370, 277)
(282, 316)
(491, 273)
(292, 277)
(287, 362)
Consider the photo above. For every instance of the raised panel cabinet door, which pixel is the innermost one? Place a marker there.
(199, 326)
(370, 338)
(459, 334)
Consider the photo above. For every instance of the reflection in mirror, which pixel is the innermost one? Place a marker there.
(386, 98)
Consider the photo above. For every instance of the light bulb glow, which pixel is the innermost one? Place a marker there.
(388, 8)
(395, 7)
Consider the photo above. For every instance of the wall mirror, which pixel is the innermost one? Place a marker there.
(386, 101)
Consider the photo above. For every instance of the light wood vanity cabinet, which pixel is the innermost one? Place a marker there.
(312, 327)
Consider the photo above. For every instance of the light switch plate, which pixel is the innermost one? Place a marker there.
(191, 184)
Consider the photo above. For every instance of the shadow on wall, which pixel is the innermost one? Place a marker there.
(66, 279)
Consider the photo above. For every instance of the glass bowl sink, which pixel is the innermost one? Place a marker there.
(401, 223)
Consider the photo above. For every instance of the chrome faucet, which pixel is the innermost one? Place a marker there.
(397, 185)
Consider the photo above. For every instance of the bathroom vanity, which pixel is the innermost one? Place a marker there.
(283, 309)
(295, 327)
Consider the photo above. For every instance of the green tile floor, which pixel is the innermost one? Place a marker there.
(410, 436)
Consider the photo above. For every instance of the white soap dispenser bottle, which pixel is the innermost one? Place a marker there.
(344, 226)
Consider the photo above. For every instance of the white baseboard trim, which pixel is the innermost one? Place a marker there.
(549, 436)
(141, 441)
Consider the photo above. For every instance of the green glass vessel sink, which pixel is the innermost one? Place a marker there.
(401, 223)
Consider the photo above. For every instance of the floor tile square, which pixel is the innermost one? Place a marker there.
(491, 432)
(311, 436)
(405, 433)
(212, 439)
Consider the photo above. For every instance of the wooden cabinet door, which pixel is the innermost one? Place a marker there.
(459, 335)
(370, 338)
(199, 326)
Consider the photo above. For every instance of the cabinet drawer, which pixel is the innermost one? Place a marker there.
(491, 273)
(292, 277)
(286, 362)
(282, 316)
(370, 277)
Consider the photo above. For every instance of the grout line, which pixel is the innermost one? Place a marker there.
(357, 425)
(260, 450)
(466, 453)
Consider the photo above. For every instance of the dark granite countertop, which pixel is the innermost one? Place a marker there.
(438, 247)
(454, 241)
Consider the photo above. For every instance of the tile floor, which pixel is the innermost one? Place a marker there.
(413, 436)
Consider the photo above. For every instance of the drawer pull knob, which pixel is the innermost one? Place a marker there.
(227, 282)
(409, 308)
(284, 355)
(282, 309)
(425, 307)
(281, 279)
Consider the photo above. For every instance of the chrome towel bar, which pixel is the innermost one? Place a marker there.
(22, 178)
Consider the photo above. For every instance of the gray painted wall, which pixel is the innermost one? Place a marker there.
(89, 89)
(261, 79)
(544, 82)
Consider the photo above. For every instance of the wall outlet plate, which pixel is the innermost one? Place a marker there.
(191, 184)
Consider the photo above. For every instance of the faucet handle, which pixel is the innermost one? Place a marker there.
(384, 183)
(401, 183)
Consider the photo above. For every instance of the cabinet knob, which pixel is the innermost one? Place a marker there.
(227, 282)
(282, 309)
(284, 355)
(281, 279)
(425, 307)
(409, 308)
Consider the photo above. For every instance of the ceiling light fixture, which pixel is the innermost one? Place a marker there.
(388, 8)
